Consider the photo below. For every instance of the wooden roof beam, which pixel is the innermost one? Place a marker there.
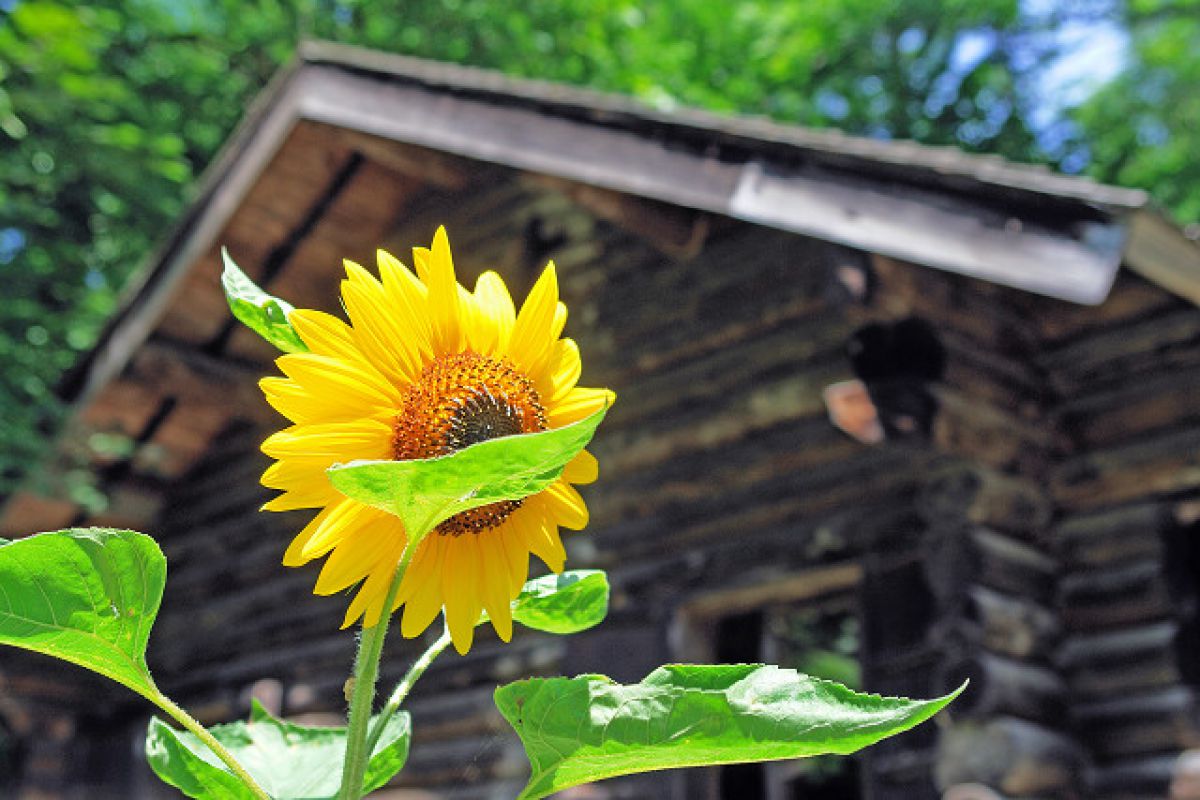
(1075, 260)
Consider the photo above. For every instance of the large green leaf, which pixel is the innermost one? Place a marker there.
(88, 596)
(290, 762)
(577, 730)
(568, 603)
(264, 314)
(424, 492)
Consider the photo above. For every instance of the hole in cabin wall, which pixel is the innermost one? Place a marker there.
(895, 364)
(1181, 570)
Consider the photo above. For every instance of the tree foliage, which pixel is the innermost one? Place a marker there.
(109, 109)
(1141, 128)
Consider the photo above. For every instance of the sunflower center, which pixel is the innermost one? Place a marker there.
(458, 401)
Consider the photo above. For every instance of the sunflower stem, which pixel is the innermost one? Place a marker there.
(405, 686)
(190, 723)
(366, 673)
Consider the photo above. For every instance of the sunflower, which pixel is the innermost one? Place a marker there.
(423, 369)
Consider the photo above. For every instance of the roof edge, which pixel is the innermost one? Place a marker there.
(944, 161)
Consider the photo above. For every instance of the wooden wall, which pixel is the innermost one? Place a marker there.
(1126, 488)
(1034, 536)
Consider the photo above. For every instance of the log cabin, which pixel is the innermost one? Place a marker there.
(888, 413)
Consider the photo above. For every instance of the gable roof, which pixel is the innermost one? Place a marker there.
(1017, 225)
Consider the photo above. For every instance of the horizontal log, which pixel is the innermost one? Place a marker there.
(1117, 596)
(958, 557)
(1004, 686)
(1132, 297)
(1136, 738)
(1134, 409)
(445, 715)
(970, 493)
(1137, 724)
(677, 232)
(466, 759)
(1147, 674)
(962, 306)
(1003, 623)
(971, 791)
(1176, 700)
(1118, 354)
(967, 427)
(1149, 466)
(1112, 536)
(1149, 776)
(788, 500)
(1120, 645)
(1017, 757)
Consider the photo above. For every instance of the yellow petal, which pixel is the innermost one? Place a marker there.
(566, 505)
(408, 298)
(368, 602)
(495, 586)
(560, 319)
(515, 552)
(578, 404)
(333, 441)
(531, 335)
(294, 557)
(496, 311)
(302, 406)
(358, 389)
(461, 590)
(304, 481)
(562, 370)
(421, 610)
(549, 548)
(289, 398)
(324, 334)
(583, 468)
(376, 330)
(541, 535)
(424, 600)
(307, 496)
(436, 268)
(345, 521)
(356, 556)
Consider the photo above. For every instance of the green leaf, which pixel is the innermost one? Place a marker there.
(577, 730)
(264, 314)
(568, 603)
(425, 492)
(290, 762)
(88, 596)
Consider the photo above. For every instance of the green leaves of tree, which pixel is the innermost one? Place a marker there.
(86, 596)
(577, 730)
(262, 313)
(424, 492)
(291, 762)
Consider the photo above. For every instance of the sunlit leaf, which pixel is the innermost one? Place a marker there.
(264, 314)
(424, 492)
(567, 603)
(289, 761)
(88, 596)
(577, 730)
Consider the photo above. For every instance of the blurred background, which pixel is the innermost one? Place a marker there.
(110, 110)
(827, 454)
